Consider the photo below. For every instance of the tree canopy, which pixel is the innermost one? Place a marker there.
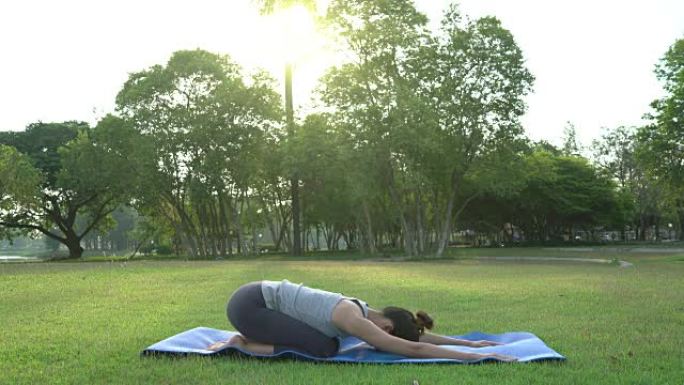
(65, 170)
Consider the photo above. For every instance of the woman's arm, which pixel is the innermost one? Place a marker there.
(367, 331)
(357, 325)
(436, 339)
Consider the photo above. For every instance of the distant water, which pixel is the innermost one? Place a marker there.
(14, 258)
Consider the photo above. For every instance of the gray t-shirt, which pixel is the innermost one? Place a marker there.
(314, 307)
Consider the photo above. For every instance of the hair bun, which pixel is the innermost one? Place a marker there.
(424, 320)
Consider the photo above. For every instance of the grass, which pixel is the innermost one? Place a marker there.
(85, 323)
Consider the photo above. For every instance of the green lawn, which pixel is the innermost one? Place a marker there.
(85, 323)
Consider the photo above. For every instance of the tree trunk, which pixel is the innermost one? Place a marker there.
(680, 230)
(241, 249)
(420, 234)
(187, 230)
(369, 229)
(446, 224)
(294, 181)
(642, 228)
(224, 229)
(328, 233)
(74, 245)
(409, 240)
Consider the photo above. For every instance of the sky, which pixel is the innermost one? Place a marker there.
(66, 60)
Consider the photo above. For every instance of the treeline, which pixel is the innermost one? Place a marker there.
(420, 140)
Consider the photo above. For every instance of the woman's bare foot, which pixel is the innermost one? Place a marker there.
(217, 345)
(242, 343)
(237, 340)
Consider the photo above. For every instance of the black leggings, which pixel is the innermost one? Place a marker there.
(248, 313)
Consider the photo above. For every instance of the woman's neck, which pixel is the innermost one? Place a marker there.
(374, 314)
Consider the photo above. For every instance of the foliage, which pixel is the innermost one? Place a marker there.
(570, 145)
(640, 194)
(41, 142)
(558, 195)
(209, 124)
(84, 174)
(426, 111)
(662, 141)
(321, 158)
(19, 183)
(270, 6)
(118, 236)
(417, 140)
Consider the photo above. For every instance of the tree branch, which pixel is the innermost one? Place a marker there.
(55, 213)
(33, 227)
(100, 214)
(465, 204)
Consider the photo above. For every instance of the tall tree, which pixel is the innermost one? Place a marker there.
(269, 7)
(373, 96)
(662, 141)
(616, 153)
(480, 101)
(328, 199)
(209, 123)
(428, 111)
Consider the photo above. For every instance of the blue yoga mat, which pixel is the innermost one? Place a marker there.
(525, 346)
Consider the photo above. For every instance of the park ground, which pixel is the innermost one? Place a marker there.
(85, 323)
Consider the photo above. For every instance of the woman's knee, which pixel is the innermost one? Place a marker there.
(245, 300)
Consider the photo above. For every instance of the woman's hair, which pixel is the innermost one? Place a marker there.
(405, 324)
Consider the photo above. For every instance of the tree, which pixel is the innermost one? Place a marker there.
(662, 141)
(209, 124)
(269, 7)
(616, 153)
(83, 172)
(562, 194)
(371, 95)
(115, 235)
(328, 199)
(427, 111)
(484, 67)
(570, 145)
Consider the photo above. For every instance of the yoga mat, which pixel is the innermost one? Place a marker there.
(525, 346)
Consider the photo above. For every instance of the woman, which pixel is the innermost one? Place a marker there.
(275, 316)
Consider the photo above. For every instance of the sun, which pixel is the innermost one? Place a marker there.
(269, 42)
(290, 36)
(292, 33)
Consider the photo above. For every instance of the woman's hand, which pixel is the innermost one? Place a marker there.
(483, 343)
(500, 357)
(436, 339)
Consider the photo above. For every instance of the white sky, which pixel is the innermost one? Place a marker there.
(67, 59)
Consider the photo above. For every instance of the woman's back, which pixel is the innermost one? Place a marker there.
(311, 306)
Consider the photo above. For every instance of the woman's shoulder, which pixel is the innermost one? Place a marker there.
(346, 309)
